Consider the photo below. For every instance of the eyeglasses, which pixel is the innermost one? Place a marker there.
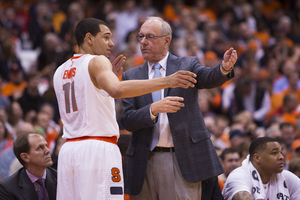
(148, 37)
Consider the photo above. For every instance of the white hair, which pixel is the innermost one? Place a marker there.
(165, 26)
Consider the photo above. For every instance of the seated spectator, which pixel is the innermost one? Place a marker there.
(8, 155)
(146, 9)
(40, 25)
(58, 144)
(288, 111)
(273, 131)
(75, 14)
(8, 20)
(293, 78)
(4, 117)
(53, 53)
(204, 12)
(4, 101)
(282, 83)
(49, 109)
(49, 96)
(32, 151)
(14, 116)
(42, 125)
(126, 21)
(31, 99)
(16, 85)
(271, 71)
(295, 149)
(5, 141)
(58, 16)
(230, 159)
(284, 152)
(243, 150)
(287, 132)
(237, 137)
(22, 15)
(294, 166)
(8, 58)
(222, 130)
(251, 97)
(261, 175)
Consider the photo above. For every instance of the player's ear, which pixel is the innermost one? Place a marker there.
(256, 158)
(88, 38)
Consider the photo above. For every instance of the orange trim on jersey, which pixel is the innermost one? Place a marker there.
(76, 57)
(112, 139)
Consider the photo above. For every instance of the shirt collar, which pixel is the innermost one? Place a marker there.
(34, 178)
(163, 63)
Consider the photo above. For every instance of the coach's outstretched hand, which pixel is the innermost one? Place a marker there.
(229, 59)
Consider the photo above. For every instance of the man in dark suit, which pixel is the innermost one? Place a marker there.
(183, 155)
(27, 183)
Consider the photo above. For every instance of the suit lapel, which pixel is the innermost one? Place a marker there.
(143, 74)
(27, 188)
(172, 67)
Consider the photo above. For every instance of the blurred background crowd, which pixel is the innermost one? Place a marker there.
(263, 99)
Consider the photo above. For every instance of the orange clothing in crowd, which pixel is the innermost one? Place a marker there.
(276, 102)
(226, 84)
(9, 88)
(265, 74)
(57, 20)
(225, 138)
(51, 136)
(221, 183)
(217, 100)
(289, 42)
(290, 117)
(170, 14)
(206, 14)
(9, 143)
(263, 37)
(288, 91)
(268, 9)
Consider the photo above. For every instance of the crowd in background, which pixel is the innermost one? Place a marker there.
(263, 99)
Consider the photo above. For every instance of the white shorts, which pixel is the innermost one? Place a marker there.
(89, 169)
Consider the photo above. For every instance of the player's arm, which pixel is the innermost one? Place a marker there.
(100, 70)
(243, 195)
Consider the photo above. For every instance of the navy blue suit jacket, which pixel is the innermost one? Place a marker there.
(197, 158)
(19, 186)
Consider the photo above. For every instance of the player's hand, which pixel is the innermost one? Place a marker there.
(182, 79)
(117, 65)
(229, 59)
(170, 104)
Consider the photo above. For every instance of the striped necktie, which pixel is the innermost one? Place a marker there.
(41, 189)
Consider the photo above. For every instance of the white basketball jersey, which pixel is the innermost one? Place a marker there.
(84, 109)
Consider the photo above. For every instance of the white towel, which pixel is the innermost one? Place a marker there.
(277, 185)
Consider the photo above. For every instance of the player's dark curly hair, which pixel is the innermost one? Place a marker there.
(88, 25)
(259, 144)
